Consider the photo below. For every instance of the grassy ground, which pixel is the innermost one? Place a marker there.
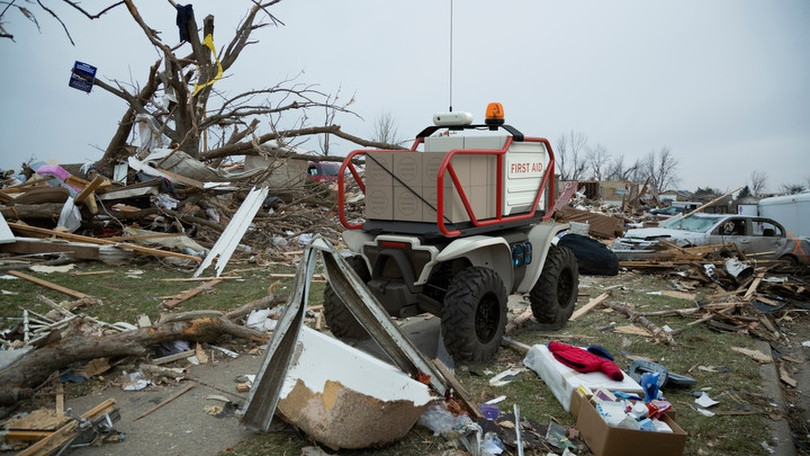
(742, 410)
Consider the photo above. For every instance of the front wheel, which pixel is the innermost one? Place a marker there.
(554, 296)
(474, 315)
(339, 318)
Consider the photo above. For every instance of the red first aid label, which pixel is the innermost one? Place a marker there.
(525, 169)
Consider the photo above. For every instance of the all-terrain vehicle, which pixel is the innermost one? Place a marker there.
(453, 226)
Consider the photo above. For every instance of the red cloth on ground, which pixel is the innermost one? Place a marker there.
(584, 361)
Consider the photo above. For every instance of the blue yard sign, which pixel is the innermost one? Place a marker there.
(78, 82)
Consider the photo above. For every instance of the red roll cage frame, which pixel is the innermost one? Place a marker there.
(447, 167)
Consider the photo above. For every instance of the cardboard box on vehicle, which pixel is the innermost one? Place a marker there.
(454, 211)
(408, 204)
(379, 169)
(379, 202)
(604, 440)
(408, 169)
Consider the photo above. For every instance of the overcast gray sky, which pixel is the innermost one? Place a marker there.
(725, 84)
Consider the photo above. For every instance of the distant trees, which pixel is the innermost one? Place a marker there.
(570, 157)
(578, 160)
(757, 181)
(598, 161)
(707, 194)
(618, 170)
(792, 189)
(385, 129)
(662, 169)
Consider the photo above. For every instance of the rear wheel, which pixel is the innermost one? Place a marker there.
(340, 320)
(474, 315)
(554, 296)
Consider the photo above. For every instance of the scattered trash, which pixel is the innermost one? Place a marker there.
(506, 377)
(135, 381)
(705, 401)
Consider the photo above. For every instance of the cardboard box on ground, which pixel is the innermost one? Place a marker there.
(602, 439)
(605, 440)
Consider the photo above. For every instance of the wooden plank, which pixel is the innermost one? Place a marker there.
(181, 179)
(316, 278)
(198, 279)
(756, 355)
(174, 357)
(633, 330)
(519, 320)
(711, 202)
(679, 295)
(461, 393)
(90, 273)
(515, 345)
(786, 378)
(46, 284)
(58, 438)
(590, 305)
(60, 398)
(169, 399)
(23, 246)
(88, 190)
(25, 435)
(753, 288)
(188, 294)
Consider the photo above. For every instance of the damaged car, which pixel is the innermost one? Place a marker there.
(753, 235)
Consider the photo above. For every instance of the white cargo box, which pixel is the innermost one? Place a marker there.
(523, 167)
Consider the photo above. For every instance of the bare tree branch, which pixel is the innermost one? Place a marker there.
(58, 19)
(92, 16)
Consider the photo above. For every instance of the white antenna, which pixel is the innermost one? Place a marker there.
(451, 55)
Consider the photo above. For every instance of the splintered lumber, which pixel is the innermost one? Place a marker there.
(174, 357)
(46, 284)
(633, 330)
(753, 288)
(756, 355)
(515, 345)
(519, 320)
(590, 305)
(87, 196)
(62, 435)
(711, 202)
(678, 295)
(188, 294)
(655, 264)
(786, 378)
(720, 308)
(30, 370)
(461, 393)
(32, 230)
(167, 400)
(658, 333)
(27, 246)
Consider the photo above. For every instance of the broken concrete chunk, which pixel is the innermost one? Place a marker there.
(345, 398)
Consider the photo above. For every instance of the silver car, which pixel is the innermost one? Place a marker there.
(750, 233)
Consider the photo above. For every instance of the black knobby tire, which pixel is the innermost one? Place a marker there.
(554, 295)
(474, 315)
(340, 320)
(592, 256)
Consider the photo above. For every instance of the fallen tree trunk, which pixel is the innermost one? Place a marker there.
(27, 372)
(48, 211)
